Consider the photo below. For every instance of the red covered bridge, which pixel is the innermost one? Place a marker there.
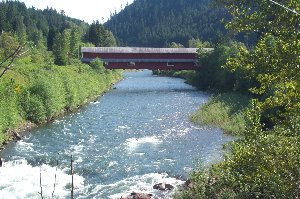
(143, 58)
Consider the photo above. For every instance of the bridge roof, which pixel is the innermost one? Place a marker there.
(137, 50)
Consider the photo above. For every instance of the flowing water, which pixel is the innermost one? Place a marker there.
(129, 139)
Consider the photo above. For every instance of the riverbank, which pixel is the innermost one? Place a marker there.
(223, 110)
(33, 94)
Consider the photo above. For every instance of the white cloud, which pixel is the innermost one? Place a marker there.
(87, 10)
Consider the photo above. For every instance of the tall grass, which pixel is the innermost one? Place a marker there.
(224, 111)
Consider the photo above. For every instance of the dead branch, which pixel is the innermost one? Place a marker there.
(13, 56)
(41, 193)
(72, 173)
(55, 178)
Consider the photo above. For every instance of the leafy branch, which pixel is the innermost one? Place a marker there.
(11, 58)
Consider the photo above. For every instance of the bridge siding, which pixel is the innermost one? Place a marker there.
(139, 56)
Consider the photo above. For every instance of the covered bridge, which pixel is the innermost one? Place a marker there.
(143, 58)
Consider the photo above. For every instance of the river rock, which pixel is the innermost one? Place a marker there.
(16, 136)
(188, 184)
(134, 195)
(163, 186)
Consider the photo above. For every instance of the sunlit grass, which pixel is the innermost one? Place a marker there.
(224, 111)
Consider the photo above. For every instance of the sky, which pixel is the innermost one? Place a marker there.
(86, 10)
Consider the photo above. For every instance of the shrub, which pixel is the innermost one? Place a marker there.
(97, 65)
(33, 107)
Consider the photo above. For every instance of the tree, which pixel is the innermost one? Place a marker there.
(50, 38)
(197, 43)
(274, 62)
(99, 36)
(20, 29)
(74, 42)
(175, 45)
(3, 20)
(60, 49)
(8, 45)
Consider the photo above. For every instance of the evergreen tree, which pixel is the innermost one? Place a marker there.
(60, 49)
(50, 38)
(74, 42)
(99, 36)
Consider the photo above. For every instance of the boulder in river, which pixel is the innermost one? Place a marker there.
(163, 186)
(134, 195)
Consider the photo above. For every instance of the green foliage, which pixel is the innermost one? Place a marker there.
(213, 76)
(98, 66)
(49, 87)
(197, 43)
(199, 179)
(60, 49)
(175, 45)
(267, 167)
(74, 42)
(32, 107)
(278, 78)
(9, 109)
(225, 111)
(8, 45)
(274, 62)
(99, 36)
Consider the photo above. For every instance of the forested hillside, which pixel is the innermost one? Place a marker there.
(48, 28)
(33, 24)
(160, 22)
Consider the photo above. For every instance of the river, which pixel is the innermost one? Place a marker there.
(134, 136)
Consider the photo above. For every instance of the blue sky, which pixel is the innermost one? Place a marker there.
(87, 10)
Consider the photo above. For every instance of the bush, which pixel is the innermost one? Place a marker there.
(213, 75)
(50, 90)
(9, 109)
(32, 106)
(267, 167)
(97, 65)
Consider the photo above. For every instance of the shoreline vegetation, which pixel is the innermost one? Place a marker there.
(34, 94)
